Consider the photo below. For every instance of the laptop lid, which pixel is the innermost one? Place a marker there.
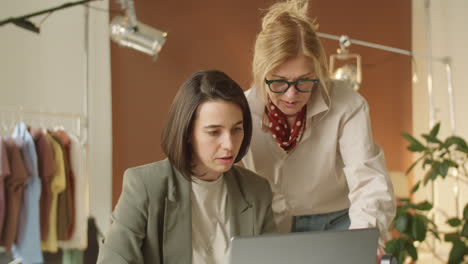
(356, 246)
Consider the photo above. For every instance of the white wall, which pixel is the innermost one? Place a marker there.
(51, 71)
(449, 37)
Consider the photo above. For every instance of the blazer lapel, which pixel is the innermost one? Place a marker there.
(241, 210)
(177, 234)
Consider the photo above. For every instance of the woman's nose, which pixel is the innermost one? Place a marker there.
(227, 141)
(291, 92)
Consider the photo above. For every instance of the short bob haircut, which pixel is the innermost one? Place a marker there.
(201, 87)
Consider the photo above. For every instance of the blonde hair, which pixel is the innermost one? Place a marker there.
(287, 31)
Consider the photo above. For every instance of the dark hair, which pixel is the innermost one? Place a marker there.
(201, 87)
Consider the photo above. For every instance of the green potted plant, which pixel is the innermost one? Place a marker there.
(411, 223)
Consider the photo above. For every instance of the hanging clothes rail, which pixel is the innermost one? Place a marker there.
(72, 122)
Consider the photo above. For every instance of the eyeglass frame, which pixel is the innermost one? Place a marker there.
(315, 81)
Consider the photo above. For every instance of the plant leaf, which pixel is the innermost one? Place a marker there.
(457, 253)
(435, 130)
(452, 163)
(414, 164)
(460, 142)
(432, 173)
(423, 206)
(402, 222)
(401, 257)
(454, 222)
(464, 231)
(419, 227)
(392, 246)
(427, 177)
(401, 209)
(443, 168)
(435, 233)
(416, 187)
(431, 139)
(396, 247)
(415, 146)
(411, 250)
(452, 237)
(464, 150)
(427, 162)
(465, 212)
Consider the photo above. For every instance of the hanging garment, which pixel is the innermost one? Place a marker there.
(14, 186)
(65, 203)
(90, 255)
(72, 256)
(46, 166)
(28, 238)
(57, 187)
(79, 237)
(4, 172)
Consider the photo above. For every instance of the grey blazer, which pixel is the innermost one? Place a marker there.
(152, 219)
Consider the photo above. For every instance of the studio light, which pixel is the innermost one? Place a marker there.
(349, 72)
(129, 32)
(142, 37)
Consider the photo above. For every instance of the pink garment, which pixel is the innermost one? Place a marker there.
(4, 172)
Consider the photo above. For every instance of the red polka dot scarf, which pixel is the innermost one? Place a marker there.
(286, 137)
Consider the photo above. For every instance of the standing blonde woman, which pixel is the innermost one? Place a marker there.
(312, 136)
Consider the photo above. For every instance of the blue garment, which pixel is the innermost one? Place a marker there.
(332, 221)
(28, 240)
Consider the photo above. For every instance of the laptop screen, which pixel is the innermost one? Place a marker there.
(356, 246)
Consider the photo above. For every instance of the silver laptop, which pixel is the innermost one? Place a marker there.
(357, 246)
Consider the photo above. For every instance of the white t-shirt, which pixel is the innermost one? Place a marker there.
(210, 223)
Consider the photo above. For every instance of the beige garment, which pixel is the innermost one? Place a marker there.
(210, 224)
(336, 165)
(58, 185)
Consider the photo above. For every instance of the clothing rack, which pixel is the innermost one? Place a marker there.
(74, 123)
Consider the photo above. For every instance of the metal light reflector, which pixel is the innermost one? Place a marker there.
(140, 37)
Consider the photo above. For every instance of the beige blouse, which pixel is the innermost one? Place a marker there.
(210, 223)
(336, 165)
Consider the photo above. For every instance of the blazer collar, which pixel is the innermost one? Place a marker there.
(177, 230)
(177, 236)
(239, 205)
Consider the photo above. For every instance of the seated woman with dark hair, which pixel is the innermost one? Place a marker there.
(186, 208)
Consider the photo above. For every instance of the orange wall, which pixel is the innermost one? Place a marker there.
(213, 34)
